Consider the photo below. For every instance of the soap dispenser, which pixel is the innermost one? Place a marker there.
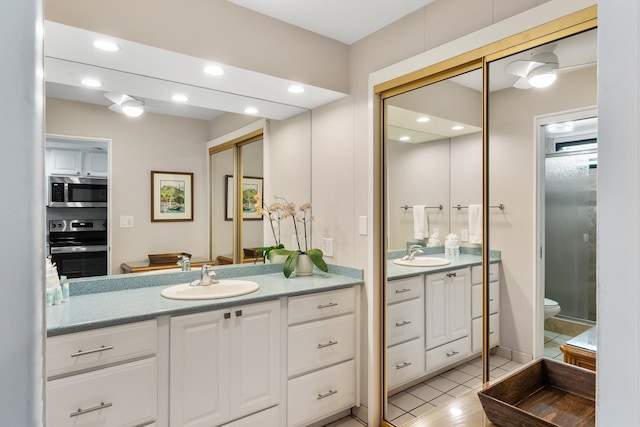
(452, 245)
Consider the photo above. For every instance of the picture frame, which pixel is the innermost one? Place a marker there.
(251, 185)
(171, 196)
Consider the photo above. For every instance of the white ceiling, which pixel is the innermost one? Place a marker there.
(344, 20)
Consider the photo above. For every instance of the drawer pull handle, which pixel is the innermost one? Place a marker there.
(327, 394)
(331, 304)
(452, 353)
(403, 365)
(80, 411)
(403, 323)
(95, 350)
(401, 291)
(329, 344)
(451, 274)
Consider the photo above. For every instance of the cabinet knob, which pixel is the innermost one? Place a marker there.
(238, 313)
(227, 315)
(451, 274)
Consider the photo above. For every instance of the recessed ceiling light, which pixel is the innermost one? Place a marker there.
(251, 110)
(405, 138)
(423, 119)
(214, 70)
(178, 97)
(296, 89)
(457, 127)
(106, 45)
(90, 82)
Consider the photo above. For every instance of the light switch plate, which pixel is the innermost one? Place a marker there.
(126, 221)
(362, 225)
(327, 246)
(464, 235)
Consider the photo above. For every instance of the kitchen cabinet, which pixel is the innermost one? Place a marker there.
(405, 330)
(448, 317)
(322, 356)
(224, 364)
(69, 162)
(103, 377)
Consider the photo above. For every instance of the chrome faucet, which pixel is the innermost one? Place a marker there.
(185, 263)
(412, 250)
(207, 277)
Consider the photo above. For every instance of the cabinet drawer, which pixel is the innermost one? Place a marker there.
(476, 299)
(404, 289)
(476, 273)
(447, 354)
(317, 395)
(99, 347)
(405, 362)
(268, 417)
(319, 344)
(405, 321)
(494, 332)
(123, 395)
(321, 305)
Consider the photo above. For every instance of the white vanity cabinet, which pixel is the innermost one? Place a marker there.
(224, 365)
(448, 317)
(69, 162)
(321, 370)
(476, 306)
(103, 377)
(405, 330)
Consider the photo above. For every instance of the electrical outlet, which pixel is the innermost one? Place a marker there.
(126, 222)
(327, 247)
(464, 235)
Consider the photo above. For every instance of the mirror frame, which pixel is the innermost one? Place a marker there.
(574, 23)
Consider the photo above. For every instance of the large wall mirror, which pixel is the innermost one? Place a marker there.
(525, 171)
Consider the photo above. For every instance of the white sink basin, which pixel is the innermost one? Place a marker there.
(223, 289)
(423, 261)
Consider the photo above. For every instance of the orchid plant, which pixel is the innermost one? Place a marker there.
(301, 218)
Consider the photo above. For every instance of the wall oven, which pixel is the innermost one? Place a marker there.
(79, 247)
(77, 192)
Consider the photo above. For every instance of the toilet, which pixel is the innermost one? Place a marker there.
(551, 308)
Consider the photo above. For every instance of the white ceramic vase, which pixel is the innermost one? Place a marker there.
(276, 259)
(304, 266)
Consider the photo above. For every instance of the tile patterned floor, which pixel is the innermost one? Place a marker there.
(347, 422)
(442, 389)
(552, 342)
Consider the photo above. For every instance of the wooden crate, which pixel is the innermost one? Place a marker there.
(546, 393)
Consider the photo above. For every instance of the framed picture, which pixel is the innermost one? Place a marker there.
(171, 196)
(251, 186)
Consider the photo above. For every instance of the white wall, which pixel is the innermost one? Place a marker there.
(22, 243)
(138, 146)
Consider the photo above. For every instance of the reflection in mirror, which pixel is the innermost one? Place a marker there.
(561, 207)
(221, 229)
(433, 162)
(252, 184)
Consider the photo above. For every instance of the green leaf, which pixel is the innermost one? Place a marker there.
(316, 257)
(290, 263)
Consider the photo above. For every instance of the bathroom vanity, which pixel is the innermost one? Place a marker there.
(120, 354)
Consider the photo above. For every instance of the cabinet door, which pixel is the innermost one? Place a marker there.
(199, 369)
(255, 358)
(436, 302)
(96, 164)
(65, 162)
(459, 304)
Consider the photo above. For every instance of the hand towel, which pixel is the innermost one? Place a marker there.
(475, 223)
(420, 222)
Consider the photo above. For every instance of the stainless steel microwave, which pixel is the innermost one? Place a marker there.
(77, 192)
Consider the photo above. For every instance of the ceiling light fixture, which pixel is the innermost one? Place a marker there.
(542, 76)
(560, 127)
(457, 127)
(133, 108)
(90, 82)
(296, 89)
(405, 138)
(251, 110)
(214, 70)
(178, 97)
(106, 45)
(423, 119)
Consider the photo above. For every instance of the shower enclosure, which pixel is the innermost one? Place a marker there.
(571, 166)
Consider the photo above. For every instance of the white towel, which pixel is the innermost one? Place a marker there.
(475, 223)
(420, 222)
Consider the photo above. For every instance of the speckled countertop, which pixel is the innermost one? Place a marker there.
(468, 257)
(119, 299)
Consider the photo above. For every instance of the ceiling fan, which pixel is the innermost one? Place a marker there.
(125, 104)
(539, 71)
